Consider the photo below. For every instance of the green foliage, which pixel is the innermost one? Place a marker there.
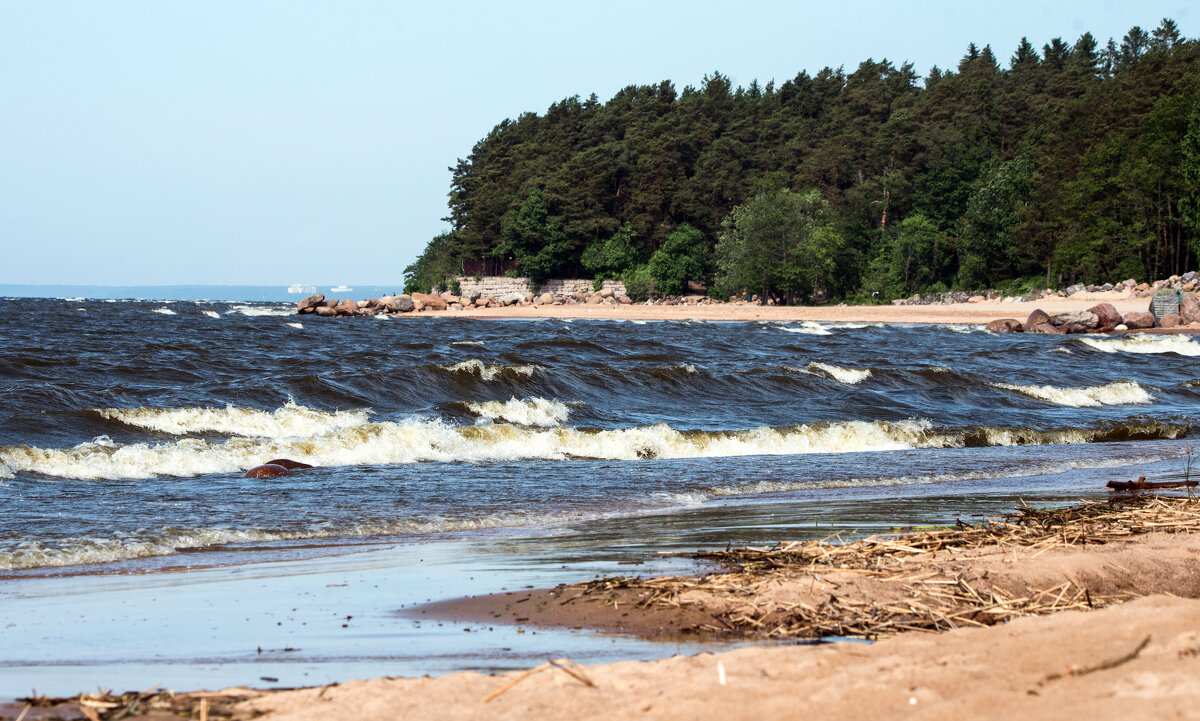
(1080, 160)
(439, 261)
(639, 283)
(778, 244)
(609, 258)
(536, 239)
(454, 286)
(681, 258)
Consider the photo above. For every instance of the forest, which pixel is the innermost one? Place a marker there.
(1075, 162)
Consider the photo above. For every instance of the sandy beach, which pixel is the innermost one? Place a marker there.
(1090, 611)
(952, 313)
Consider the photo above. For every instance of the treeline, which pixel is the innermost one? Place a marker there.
(1075, 162)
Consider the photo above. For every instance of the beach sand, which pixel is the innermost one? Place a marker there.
(953, 313)
(1136, 654)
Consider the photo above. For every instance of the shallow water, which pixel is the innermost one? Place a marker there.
(125, 428)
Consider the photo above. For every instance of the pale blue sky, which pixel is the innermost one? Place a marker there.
(276, 142)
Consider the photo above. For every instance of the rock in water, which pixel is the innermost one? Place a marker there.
(1076, 321)
(1005, 325)
(1137, 320)
(266, 470)
(1036, 318)
(309, 304)
(286, 463)
(1107, 316)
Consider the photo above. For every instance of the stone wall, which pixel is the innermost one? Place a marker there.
(497, 285)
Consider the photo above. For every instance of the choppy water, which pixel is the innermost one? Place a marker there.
(125, 427)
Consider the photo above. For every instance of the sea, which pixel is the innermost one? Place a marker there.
(456, 457)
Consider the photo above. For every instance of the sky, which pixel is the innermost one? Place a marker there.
(276, 142)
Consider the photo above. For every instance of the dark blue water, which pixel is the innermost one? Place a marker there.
(126, 427)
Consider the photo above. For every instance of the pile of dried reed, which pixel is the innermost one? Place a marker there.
(932, 597)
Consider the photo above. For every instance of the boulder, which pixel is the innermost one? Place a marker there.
(1044, 327)
(401, 304)
(510, 298)
(346, 307)
(1107, 316)
(324, 311)
(595, 299)
(1005, 325)
(1189, 309)
(976, 299)
(1076, 321)
(1137, 320)
(606, 292)
(455, 306)
(309, 304)
(1170, 321)
(471, 296)
(625, 300)
(544, 299)
(363, 303)
(450, 298)
(1037, 317)
(1077, 288)
(432, 302)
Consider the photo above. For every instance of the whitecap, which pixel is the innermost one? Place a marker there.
(527, 412)
(849, 376)
(1112, 394)
(290, 420)
(163, 311)
(1145, 343)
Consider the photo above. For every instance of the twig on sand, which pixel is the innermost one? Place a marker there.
(563, 664)
(1104, 665)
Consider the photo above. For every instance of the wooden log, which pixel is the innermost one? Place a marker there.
(1141, 484)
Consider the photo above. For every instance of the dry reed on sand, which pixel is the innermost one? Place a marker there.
(929, 597)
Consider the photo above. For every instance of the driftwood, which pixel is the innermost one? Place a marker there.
(1141, 484)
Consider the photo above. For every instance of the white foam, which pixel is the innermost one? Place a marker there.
(211, 313)
(808, 327)
(260, 310)
(297, 326)
(163, 311)
(490, 372)
(1112, 394)
(289, 421)
(468, 342)
(528, 412)
(1145, 343)
(849, 376)
(687, 368)
(382, 316)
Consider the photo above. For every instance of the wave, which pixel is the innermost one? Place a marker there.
(211, 313)
(170, 540)
(289, 421)
(412, 441)
(468, 342)
(807, 327)
(163, 311)
(297, 326)
(849, 376)
(1118, 393)
(254, 311)
(529, 412)
(1145, 343)
(490, 372)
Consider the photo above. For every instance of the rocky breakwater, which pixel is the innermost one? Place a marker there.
(1100, 318)
(426, 302)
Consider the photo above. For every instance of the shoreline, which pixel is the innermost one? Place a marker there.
(1096, 614)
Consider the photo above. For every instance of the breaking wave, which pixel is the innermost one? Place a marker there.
(490, 372)
(808, 327)
(1118, 393)
(529, 412)
(290, 421)
(255, 311)
(1145, 343)
(849, 376)
(211, 313)
(163, 311)
(414, 441)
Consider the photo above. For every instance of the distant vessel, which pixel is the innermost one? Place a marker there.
(300, 288)
(340, 289)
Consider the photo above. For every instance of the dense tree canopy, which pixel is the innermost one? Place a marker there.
(1075, 162)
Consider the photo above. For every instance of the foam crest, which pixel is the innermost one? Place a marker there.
(528, 412)
(468, 343)
(1118, 393)
(163, 311)
(211, 313)
(297, 326)
(289, 421)
(415, 441)
(260, 310)
(1145, 343)
(808, 327)
(849, 376)
(490, 372)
